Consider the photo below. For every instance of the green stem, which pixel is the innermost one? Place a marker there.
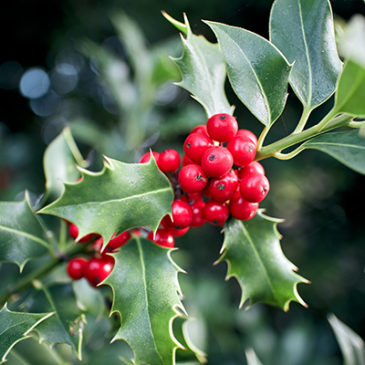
(302, 122)
(356, 124)
(328, 123)
(27, 281)
(263, 135)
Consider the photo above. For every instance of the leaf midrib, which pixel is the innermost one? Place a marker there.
(247, 234)
(336, 145)
(25, 234)
(141, 257)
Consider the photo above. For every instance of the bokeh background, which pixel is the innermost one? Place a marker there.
(71, 63)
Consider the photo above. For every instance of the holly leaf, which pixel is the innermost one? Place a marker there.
(254, 257)
(59, 163)
(120, 197)
(202, 69)
(351, 344)
(15, 327)
(146, 294)
(22, 237)
(350, 94)
(304, 32)
(67, 324)
(257, 71)
(251, 357)
(346, 147)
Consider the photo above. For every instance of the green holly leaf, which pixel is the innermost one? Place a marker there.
(351, 344)
(115, 199)
(15, 327)
(254, 257)
(304, 32)
(257, 71)
(146, 294)
(67, 324)
(350, 94)
(59, 163)
(252, 358)
(346, 147)
(202, 69)
(22, 237)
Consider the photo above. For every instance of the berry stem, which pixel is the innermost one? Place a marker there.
(27, 280)
(326, 124)
(303, 121)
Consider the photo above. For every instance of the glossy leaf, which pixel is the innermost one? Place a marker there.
(346, 147)
(257, 71)
(67, 324)
(350, 95)
(22, 237)
(203, 72)
(60, 164)
(254, 257)
(351, 344)
(15, 327)
(119, 197)
(146, 294)
(303, 30)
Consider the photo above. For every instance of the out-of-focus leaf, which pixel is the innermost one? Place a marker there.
(303, 30)
(257, 71)
(120, 197)
(252, 358)
(350, 94)
(22, 237)
(60, 164)
(203, 71)
(146, 294)
(254, 257)
(15, 327)
(346, 147)
(351, 344)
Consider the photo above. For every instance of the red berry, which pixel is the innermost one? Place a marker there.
(222, 127)
(178, 232)
(147, 156)
(167, 222)
(75, 268)
(162, 237)
(74, 232)
(200, 129)
(118, 241)
(181, 214)
(252, 168)
(97, 269)
(216, 161)
(247, 135)
(97, 245)
(254, 187)
(195, 145)
(197, 209)
(223, 189)
(243, 151)
(187, 160)
(216, 213)
(242, 209)
(169, 160)
(194, 197)
(192, 178)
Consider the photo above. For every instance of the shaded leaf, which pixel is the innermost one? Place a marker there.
(203, 72)
(115, 199)
(15, 327)
(254, 257)
(22, 237)
(303, 30)
(146, 294)
(346, 147)
(351, 344)
(257, 70)
(60, 164)
(350, 94)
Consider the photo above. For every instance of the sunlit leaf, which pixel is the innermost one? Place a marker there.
(254, 257)
(120, 197)
(303, 30)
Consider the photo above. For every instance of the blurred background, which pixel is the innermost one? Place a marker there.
(102, 68)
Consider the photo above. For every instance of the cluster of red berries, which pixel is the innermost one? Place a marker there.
(99, 265)
(219, 177)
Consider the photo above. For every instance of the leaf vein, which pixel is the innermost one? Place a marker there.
(25, 234)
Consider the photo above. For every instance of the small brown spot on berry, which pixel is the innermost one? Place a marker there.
(221, 187)
(211, 157)
(222, 117)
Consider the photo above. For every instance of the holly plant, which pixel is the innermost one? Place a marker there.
(95, 254)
